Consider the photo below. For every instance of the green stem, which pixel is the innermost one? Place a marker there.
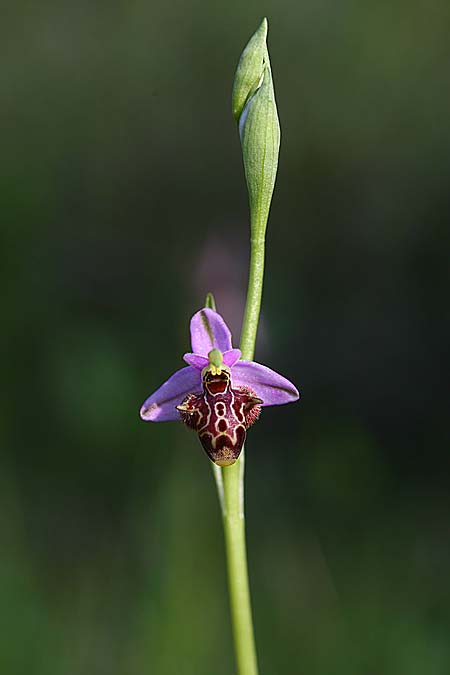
(254, 295)
(233, 491)
(234, 527)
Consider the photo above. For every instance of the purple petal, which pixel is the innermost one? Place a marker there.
(271, 387)
(160, 406)
(196, 361)
(209, 331)
(231, 357)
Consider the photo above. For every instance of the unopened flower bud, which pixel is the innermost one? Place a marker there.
(250, 70)
(255, 110)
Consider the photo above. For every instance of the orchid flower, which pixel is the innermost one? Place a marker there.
(217, 394)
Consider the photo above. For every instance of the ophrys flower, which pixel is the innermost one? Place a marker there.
(217, 394)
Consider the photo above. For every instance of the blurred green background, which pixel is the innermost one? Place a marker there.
(122, 203)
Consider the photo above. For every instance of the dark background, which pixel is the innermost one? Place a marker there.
(122, 203)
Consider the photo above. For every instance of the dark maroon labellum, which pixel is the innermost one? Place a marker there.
(221, 416)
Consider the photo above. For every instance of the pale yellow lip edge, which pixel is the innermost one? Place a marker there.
(225, 462)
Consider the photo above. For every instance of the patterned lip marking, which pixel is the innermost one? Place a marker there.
(219, 409)
(222, 425)
(216, 384)
(221, 416)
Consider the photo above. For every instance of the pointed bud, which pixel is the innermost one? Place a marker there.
(250, 70)
(255, 110)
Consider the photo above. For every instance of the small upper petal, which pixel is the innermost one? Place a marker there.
(231, 357)
(209, 331)
(160, 406)
(271, 387)
(196, 361)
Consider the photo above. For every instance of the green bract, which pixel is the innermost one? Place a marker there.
(255, 110)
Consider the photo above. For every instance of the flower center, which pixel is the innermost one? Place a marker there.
(216, 376)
